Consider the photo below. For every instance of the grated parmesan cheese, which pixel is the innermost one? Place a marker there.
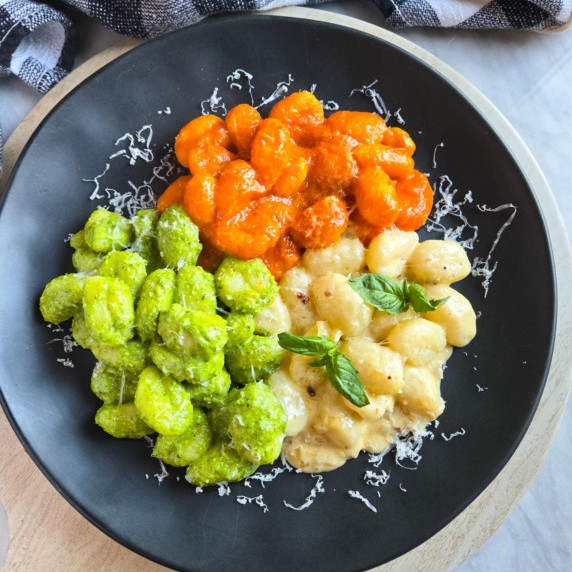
(329, 105)
(376, 479)
(234, 82)
(375, 97)
(139, 196)
(163, 474)
(281, 89)
(447, 207)
(459, 433)
(398, 117)
(318, 488)
(95, 193)
(263, 478)
(133, 152)
(408, 447)
(259, 500)
(68, 343)
(359, 496)
(213, 104)
(482, 267)
(223, 489)
(122, 388)
(435, 153)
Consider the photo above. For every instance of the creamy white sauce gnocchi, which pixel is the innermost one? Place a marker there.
(399, 358)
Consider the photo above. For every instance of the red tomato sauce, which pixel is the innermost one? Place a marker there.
(269, 188)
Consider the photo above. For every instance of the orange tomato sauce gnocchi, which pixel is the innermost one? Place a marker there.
(270, 188)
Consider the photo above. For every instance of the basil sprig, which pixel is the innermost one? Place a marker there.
(308, 346)
(388, 295)
(340, 371)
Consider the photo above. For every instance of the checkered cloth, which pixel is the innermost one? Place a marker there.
(480, 14)
(37, 39)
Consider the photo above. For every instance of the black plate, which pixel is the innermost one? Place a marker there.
(51, 408)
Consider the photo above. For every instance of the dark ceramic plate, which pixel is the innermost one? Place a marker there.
(111, 481)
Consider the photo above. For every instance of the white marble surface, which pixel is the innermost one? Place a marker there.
(528, 76)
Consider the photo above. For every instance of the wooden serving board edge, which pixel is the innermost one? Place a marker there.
(33, 505)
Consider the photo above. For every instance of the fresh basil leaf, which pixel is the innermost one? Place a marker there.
(405, 289)
(321, 361)
(345, 379)
(419, 301)
(310, 346)
(381, 292)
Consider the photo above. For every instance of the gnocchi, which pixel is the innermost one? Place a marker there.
(438, 262)
(419, 340)
(388, 252)
(294, 289)
(456, 316)
(346, 256)
(380, 368)
(399, 357)
(292, 401)
(338, 303)
(421, 393)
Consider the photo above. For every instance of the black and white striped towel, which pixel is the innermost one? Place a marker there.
(478, 14)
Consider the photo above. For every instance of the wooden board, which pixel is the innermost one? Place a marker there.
(47, 534)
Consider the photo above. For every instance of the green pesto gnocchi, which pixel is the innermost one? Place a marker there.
(195, 289)
(128, 267)
(108, 310)
(158, 327)
(252, 421)
(240, 328)
(106, 231)
(191, 332)
(62, 298)
(246, 287)
(113, 386)
(131, 356)
(80, 332)
(257, 423)
(178, 238)
(254, 360)
(122, 421)
(163, 403)
(156, 296)
(145, 243)
(182, 450)
(221, 463)
(84, 259)
(210, 391)
(183, 367)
